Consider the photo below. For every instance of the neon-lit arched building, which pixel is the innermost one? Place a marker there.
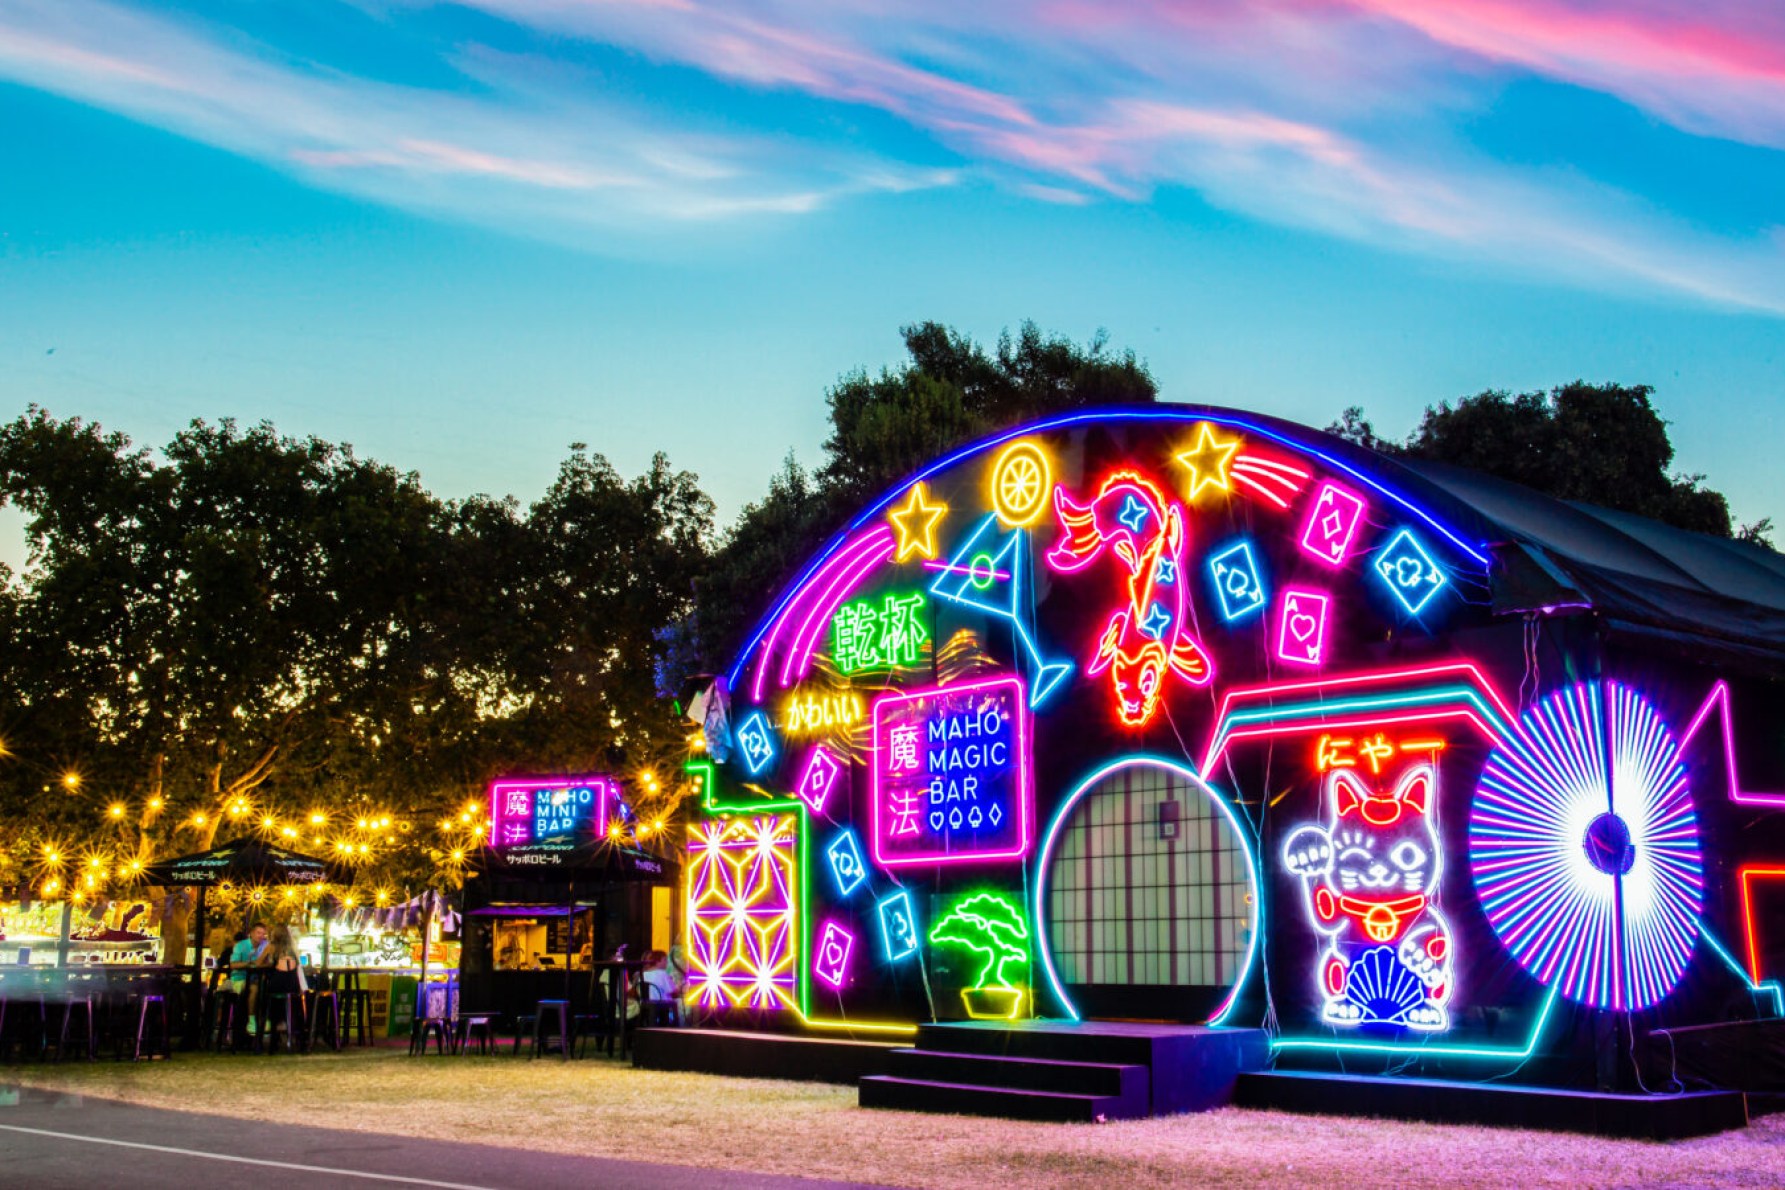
(1186, 714)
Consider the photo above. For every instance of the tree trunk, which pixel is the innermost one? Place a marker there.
(176, 915)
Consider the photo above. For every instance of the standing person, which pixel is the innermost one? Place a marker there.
(285, 974)
(244, 957)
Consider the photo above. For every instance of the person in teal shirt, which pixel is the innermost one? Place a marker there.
(244, 955)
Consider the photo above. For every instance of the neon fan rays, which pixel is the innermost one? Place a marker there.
(1588, 865)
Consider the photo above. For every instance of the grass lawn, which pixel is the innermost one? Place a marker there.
(606, 1107)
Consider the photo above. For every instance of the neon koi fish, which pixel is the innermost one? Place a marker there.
(1150, 637)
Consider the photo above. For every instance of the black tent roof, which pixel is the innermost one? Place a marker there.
(1711, 596)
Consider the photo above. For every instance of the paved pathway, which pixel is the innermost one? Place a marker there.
(49, 1140)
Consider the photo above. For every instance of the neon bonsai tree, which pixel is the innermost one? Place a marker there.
(990, 926)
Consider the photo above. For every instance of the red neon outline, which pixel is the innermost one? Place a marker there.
(1025, 795)
(1743, 875)
(1719, 695)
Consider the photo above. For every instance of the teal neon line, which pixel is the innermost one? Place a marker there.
(1771, 986)
(1047, 846)
(1415, 1049)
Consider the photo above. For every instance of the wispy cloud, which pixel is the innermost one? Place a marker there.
(1339, 116)
(567, 163)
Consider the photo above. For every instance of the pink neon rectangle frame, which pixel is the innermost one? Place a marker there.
(1025, 795)
(606, 789)
(1291, 596)
(1341, 495)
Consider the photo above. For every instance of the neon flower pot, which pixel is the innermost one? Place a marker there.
(993, 1004)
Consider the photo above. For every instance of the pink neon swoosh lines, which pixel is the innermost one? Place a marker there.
(799, 659)
(881, 535)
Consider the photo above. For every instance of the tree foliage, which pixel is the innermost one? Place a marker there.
(1601, 444)
(948, 391)
(250, 630)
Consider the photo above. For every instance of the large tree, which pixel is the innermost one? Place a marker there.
(949, 390)
(249, 630)
(1601, 444)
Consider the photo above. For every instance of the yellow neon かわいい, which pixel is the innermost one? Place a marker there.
(1208, 460)
(916, 524)
(806, 713)
(1021, 480)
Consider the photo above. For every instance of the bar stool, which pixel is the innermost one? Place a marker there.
(83, 1004)
(229, 1020)
(281, 1008)
(523, 1028)
(324, 1001)
(476, 1025)
(437, 1027)
(356, 1009)
(151, 1007)
(557, 1012)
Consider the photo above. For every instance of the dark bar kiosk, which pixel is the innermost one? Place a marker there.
(557, 907)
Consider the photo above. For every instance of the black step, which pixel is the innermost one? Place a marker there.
(911, 1094)
(1023, 1074)
(1502, 1105)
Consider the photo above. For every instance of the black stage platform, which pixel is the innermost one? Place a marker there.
(1063, 1070)
(1496, 1105)
(759, 1055)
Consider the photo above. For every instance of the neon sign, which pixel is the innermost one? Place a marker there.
(1207, 461)
(1273, 480)
(1021, 478)
(1584, 847)
(991, 926)
(915, 524)
(1344, 752)
(820, 777)
(1148, 638)
(756, 741)
(1238, 587)
(742, 911)
(830, 960)
(1371, 875)
(1408, 571)
(1301, 627)
(866, 637)
(1331, 524)
(950, 774)
(898, 926)
(989, 572)
(526, 812)
(847, 868)
(805, 713)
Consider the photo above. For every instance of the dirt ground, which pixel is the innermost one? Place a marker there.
(605, 1107)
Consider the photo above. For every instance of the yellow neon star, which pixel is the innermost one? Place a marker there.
(1207, 461)
(916, 525)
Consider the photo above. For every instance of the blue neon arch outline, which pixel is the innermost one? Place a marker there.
(1062, 421)
(1239, 830)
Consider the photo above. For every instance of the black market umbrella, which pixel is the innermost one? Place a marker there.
(586, 862)
(245, 861)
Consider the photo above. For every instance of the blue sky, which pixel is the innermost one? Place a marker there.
(462, 236)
